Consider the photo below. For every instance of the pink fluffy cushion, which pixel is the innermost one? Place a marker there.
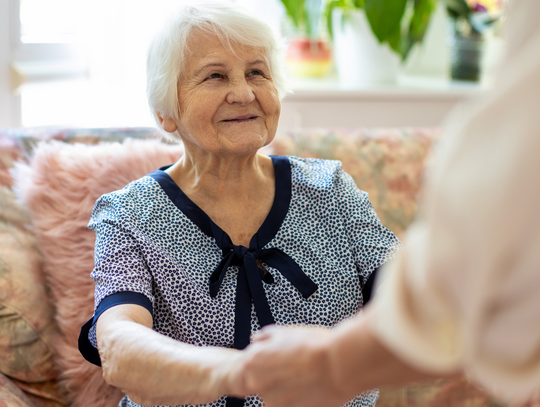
(59, 187)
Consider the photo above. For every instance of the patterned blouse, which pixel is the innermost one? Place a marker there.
(320, 245)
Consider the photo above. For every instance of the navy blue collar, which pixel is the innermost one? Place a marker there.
(271, 224)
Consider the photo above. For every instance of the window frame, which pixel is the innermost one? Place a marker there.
(10, 101)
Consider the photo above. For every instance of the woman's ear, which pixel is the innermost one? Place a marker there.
(167, 123)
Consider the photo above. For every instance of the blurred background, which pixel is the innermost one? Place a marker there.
(368, 63)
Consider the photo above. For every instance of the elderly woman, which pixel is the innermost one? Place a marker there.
(193, 258)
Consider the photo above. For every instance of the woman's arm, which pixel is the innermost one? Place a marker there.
(154, 369)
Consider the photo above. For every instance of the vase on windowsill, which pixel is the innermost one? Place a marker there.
(308, 57)
(371, 37)
(466, 47)
(469, 22)
(361, 60)
(308, 50)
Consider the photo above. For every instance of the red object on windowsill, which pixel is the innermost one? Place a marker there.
(308, 57)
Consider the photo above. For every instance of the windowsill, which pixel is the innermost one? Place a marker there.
(411, 102)
(406, 87)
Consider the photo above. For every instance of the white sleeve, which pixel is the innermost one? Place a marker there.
(465, 292)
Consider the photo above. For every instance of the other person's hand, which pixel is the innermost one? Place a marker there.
(288, 367)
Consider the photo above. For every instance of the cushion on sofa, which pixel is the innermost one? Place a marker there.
(59, 187)
(11, 395)
(27, 327)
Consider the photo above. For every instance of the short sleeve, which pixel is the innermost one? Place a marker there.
(118, 260)
(120, 272)
(371, 243)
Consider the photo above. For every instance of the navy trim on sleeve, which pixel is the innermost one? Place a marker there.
(368, 286)
(88, 351)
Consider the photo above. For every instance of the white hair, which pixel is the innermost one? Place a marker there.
(167, 52)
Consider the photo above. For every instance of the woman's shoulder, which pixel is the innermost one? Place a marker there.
(315, 163)
(131, 199)
(315, 171)
(137, 190)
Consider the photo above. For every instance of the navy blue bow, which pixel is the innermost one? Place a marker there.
(249, 287)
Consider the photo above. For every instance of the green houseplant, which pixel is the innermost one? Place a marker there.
(371, 37)
(399, 23)
(478, 14)
(305, 15)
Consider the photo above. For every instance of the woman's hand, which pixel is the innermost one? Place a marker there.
(288, 366)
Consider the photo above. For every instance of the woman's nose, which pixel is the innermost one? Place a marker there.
(240, 92)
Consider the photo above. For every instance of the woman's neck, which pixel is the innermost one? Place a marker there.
(236, 191)
(207, 176)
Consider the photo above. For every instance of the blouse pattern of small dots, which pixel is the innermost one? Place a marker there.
(147, 245)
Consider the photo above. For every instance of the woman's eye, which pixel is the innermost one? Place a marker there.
(214, 76)
(255, 72)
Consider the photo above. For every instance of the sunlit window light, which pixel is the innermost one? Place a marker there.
(109, 37)
(51, 21)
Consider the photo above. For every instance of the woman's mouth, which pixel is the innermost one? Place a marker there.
(241, 119)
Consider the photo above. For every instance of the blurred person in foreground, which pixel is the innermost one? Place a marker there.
(464, 294)
(193, 258)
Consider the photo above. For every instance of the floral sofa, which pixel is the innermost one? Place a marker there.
(49, 180)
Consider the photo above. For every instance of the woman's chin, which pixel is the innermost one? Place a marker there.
(244, 142)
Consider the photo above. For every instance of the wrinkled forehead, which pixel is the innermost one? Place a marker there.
(206, 43)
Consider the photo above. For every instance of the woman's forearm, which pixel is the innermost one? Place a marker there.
(154, 369)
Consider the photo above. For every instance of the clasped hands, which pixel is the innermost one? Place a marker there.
(287, 367)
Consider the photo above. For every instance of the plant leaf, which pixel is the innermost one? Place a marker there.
(457, 7)
(296, 11)
(395, 40)
(384, 16)
(418, 24)
(342, 4)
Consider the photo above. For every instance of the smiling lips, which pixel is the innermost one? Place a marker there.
(242, 119)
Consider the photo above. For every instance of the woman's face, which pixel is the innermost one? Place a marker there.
(228, 103)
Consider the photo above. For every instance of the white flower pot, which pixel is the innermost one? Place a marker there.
(360, 59)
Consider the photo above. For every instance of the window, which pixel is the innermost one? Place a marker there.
(81, 63)
(53, 21)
